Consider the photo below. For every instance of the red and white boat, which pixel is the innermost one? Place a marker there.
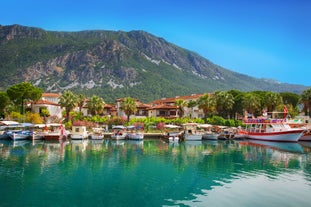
(271, 130)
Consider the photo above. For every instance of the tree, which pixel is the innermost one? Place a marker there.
(95, 105)
(251, 102)
(129, 107)
(22, 92)
(272, 100)
(180, 104)
(224, 102)
(207, 104)
(191, 104)
(80, 101)
(45, 113)
(68, 100)
(4, 102)
(306, 99)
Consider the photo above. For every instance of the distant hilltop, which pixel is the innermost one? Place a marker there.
(114, 64)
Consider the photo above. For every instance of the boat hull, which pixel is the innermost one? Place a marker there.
(282, 136)
(210, 136)
(135, 136)
(118, 137)
(193, 137)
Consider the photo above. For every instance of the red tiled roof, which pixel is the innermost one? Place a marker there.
(51, 95)
(45, 102)
(163, 106)
(173, 99)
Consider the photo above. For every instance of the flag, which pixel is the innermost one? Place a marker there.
(285, 111)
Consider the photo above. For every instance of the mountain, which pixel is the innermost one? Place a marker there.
(115, 64)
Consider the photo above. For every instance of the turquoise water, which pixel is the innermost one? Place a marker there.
(154, 173)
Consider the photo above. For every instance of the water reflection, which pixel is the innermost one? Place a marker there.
(186, 173)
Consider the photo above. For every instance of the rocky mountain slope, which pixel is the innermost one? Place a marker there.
(114, 64)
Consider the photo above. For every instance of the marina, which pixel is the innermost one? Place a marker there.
(152, 172)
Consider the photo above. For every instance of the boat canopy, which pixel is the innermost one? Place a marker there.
(118, 127)
(8, 123)
(171, 126)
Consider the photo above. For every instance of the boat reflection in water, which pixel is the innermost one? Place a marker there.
(294, 147)
(199, 173)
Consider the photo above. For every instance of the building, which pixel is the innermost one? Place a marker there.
(166, 108)
(48, 101)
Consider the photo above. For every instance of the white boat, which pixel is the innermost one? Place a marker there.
(78, 132)
(6, 128)
(24, 132)
(135, 133)
(97, 134)
(190, 132)
(21, 135)
(210, 132)
(210, 136)
(118, 132)
(271, 130)
(172, 133)
(306, 136)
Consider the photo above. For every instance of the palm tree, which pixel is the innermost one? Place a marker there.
(95, 105)
(129, 107)
(80, 101)
(191, 104)
(68, 100)
(180, 105)
(306, 98)
(207, 104)
(224, 102)
(251, 102)
(272, 100)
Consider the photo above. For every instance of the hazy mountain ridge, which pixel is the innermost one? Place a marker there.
(114, 64)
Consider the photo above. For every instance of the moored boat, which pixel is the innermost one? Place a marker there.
(23, 132)
(190, 132)
(97, 134)
(118, 132)
(6, 128)
(55, 131)
(172, 133)
(78, 132)
(135, 133)
(271, 130)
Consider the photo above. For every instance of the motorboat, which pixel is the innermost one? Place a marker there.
(271, 130)
(118, 132)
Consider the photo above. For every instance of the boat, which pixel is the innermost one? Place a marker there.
(55, 131)
(135, 133)
(299, 123)
(6, 128)
(225, 133)
(172, 133)
(190, 132)
(271, 130)
(78, 133)
(118, 132)
(97, 134)
(23, 131)
(39, 132)
(306, 135)
(210, 132)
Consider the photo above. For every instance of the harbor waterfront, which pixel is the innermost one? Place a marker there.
(152, 172)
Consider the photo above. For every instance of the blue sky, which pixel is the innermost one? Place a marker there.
(262, 38)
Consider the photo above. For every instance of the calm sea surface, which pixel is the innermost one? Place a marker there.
(155, 173)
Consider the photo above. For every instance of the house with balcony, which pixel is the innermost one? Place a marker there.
(48, 101)
(165, 107)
